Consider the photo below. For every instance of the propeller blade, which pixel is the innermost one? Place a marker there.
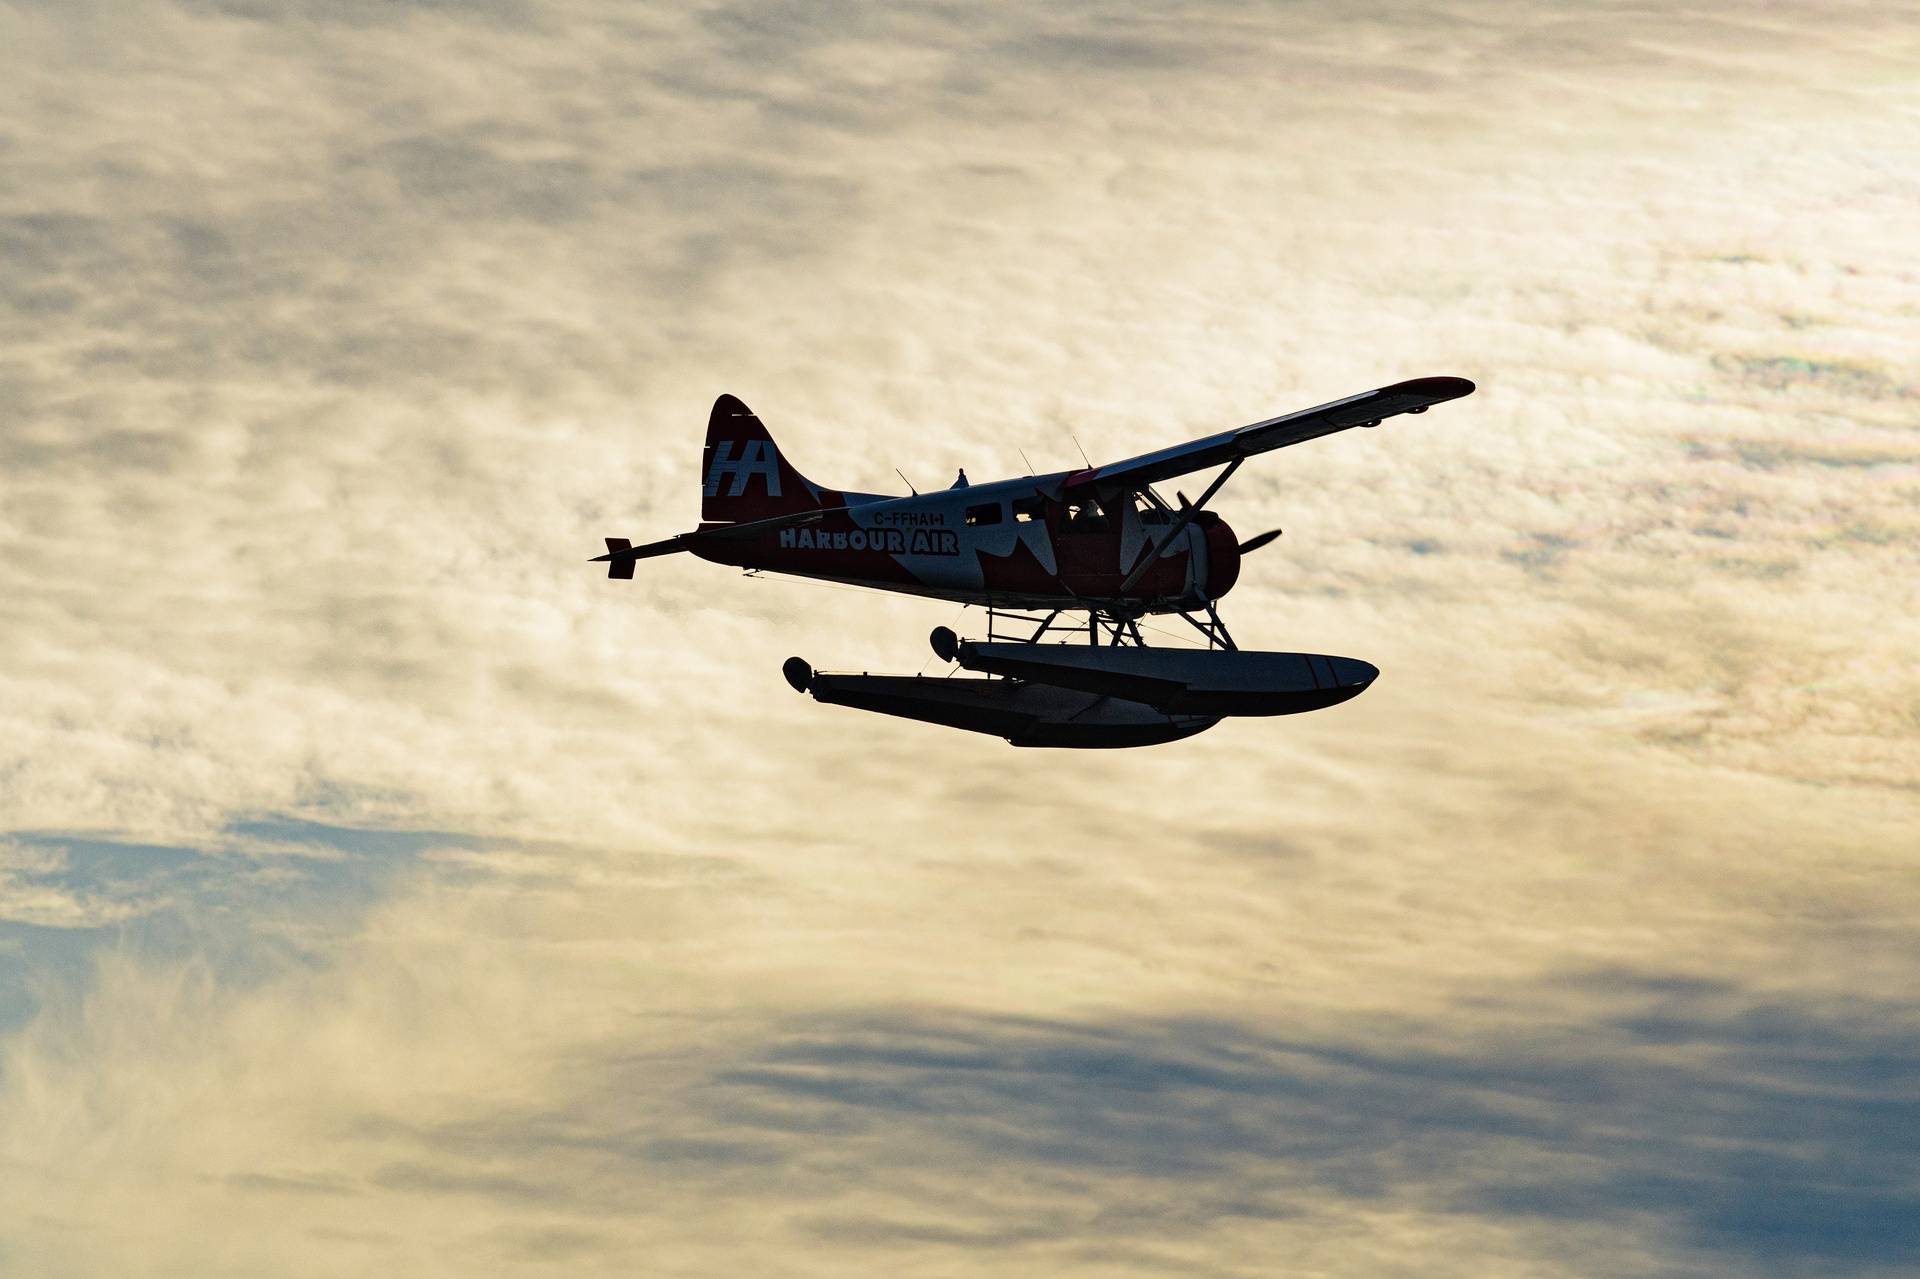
(1256, 542)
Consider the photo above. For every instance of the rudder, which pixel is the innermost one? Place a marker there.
(745, 477)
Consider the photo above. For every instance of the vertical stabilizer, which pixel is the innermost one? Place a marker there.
(744, 476)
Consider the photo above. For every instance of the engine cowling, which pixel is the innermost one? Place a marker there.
(1223, 558)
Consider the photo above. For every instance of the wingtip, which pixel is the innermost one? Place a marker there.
(1436, 390)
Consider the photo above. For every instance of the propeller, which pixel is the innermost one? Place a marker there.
(1259, 540)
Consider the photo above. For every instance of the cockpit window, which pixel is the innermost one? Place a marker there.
(1085, 516)
(979, 516)
(1150, 513)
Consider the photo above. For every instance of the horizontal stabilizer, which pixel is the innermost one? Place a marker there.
(621, 554)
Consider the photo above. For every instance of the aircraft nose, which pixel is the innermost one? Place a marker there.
(1351, 671)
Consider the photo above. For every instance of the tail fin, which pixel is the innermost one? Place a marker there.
(745, 475)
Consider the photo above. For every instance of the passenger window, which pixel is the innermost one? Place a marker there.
(1029, 510)
(977, 516)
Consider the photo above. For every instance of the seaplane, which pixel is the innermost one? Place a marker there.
(1064, 565)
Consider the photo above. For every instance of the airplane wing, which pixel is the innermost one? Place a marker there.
(1369, 408)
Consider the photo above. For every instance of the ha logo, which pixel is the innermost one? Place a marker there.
(756, 458)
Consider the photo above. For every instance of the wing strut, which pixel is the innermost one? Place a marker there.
(1179, 526)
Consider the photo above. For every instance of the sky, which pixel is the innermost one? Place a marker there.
(382, 890)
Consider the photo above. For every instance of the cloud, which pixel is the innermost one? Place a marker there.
(1577, 1121)
(1716, 1122)
(1508, 1012)
(35, 888)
